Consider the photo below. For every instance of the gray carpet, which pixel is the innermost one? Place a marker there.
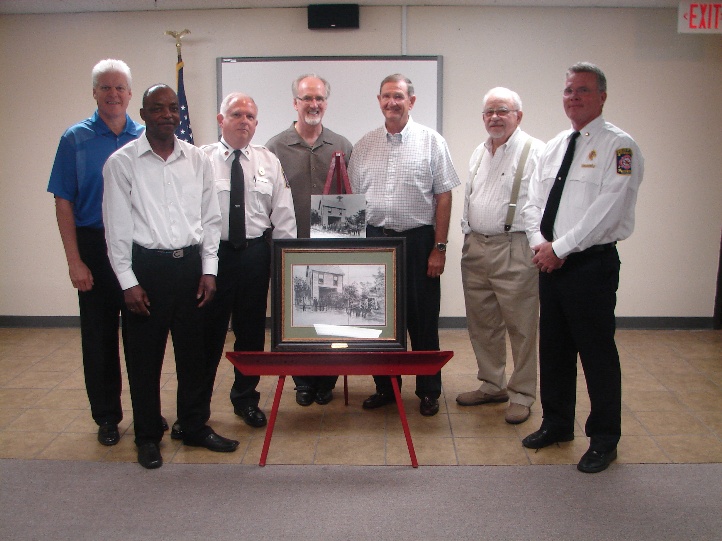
(102, 501)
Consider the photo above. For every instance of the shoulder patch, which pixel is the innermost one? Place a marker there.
(624, 161)
(285, 178)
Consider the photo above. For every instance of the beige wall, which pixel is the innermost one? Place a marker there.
(664, 89)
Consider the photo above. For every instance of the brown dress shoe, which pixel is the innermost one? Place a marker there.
(516, 413)
(478, 397)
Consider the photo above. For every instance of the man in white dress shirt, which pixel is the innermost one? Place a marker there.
(162, 225)
(501, 284)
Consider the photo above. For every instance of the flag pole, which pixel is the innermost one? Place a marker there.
(184, 131)
(178, 37)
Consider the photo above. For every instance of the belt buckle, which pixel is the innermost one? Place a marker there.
(178, 254)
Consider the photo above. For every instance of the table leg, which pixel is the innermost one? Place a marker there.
(272, 420)
(345, 390)
(404, 422)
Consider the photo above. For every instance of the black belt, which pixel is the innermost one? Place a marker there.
(596, 249)
(175, 254)
(599, 248)
(228, 245)
(393, 233)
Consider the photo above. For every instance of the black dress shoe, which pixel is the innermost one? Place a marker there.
(304, 398)
(595, 461)
(213, 442)
(323, 397)
(176, 433)
(251, 415)
(108, 434)
(164, 423)
(544, 437)
(429, 406)
(377, 400)
(149, 456)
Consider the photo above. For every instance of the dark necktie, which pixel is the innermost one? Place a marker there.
(555, 195)
(237, 209)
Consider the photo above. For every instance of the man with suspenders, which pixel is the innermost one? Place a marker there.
(500, 281)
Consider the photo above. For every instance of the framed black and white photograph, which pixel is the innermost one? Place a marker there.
(338, 216)
(342, 293)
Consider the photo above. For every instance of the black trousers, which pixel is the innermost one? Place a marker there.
(99, 320)
(423, 303)
(241, 296)
(171, 285)
(577, 305)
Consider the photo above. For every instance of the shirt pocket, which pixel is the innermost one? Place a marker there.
(584, 185)
(223, 185)
(261, 195)
(416, 172)
(549, 175)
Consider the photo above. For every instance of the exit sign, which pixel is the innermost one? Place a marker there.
(699, 18)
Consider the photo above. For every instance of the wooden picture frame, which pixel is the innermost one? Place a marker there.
(338, 294)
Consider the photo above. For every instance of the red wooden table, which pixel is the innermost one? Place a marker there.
(327, 363)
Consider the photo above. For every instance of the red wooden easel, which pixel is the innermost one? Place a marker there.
(338, 363)
(327, 363)
(337, 167)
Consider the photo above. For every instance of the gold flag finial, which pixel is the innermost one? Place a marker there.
(178, 36)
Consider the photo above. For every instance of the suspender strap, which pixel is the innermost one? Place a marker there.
(516, 185)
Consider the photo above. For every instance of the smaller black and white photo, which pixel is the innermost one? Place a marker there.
(338, 216)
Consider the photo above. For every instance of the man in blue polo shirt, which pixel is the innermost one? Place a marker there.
(77, 183)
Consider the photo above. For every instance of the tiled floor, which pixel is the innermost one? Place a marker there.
(672, 411)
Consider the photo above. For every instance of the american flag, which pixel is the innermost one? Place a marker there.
(183, 131)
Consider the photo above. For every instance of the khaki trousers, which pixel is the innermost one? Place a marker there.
(501, 291)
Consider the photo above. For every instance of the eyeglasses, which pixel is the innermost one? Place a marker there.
(118, 89)
(581, 91)
(311, 99)
(501, 112)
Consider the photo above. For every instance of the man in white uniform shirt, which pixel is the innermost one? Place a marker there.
(162, 225)
(575, 250)
(244, 268)
(501, 284)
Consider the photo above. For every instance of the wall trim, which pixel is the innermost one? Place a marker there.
(634, 323)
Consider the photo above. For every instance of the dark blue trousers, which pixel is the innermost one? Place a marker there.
(423, 303)
(577, 305)
(100, 310)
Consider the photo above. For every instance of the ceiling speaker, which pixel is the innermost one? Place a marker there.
(332, 16)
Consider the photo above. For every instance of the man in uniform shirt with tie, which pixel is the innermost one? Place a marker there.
(254, 200)
(581, 202)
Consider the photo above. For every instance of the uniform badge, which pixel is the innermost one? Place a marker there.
(624, 161)
(590, 157)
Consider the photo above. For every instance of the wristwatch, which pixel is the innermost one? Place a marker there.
(441, 246)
